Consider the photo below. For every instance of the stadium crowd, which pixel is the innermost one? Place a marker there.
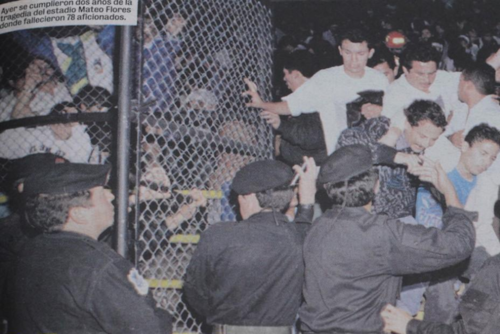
(375, 216)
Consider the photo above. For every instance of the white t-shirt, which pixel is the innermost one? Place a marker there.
(327, 93)
(485, 111)
(41, 104)
(20, 142)
(443, 91)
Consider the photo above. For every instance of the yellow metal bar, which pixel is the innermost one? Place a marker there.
(185, 238)
(165, 283)
(210, 194)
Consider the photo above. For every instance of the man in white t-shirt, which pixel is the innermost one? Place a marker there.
(329, 90)
(36, 89)
(422, 81)
(477, 84)
(473, 88)
(69, 140)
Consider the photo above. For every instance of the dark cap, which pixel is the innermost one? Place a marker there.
(66, 179)
(344, 163)
(33, 163)
(260, 176)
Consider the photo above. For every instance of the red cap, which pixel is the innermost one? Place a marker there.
(395, 40)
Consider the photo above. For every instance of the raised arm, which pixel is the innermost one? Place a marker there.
(280, 108)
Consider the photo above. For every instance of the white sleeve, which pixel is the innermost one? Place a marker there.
(310, 97)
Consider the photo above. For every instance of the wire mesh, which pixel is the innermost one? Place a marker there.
(195, 128)
(46, 75)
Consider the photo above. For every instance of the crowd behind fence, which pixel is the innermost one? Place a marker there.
(191, 130)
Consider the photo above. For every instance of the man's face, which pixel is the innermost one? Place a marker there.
(64, 131)
(355, 57)
(421, 75)
(386, 70)
(480, 156)
(290, 78)
(102, 210)
(422, 136)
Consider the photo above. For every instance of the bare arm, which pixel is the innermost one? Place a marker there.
(433, 172)
(280, 108)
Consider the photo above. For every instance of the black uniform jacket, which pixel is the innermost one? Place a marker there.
(68, 283)
(302, 136)
(354, 258)
(479, 308)
(248, 272)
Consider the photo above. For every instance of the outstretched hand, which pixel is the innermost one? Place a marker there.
(256, 101)
(307, 181)
(412, 161)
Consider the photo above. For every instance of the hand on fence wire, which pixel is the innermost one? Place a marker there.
(156, 185)
(256, 100)
(187, 211)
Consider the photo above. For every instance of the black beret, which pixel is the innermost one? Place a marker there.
(24, 167)
(66, 179)
(344, 163)
(262, 175)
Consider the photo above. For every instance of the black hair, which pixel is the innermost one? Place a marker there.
(483, 132)
(49, 213)
(382, 55)
(357, 36)
(359, 190)
(482, 76)
(302, 61)
(422, 52)
(278, 198)
(91, 96)
(425, 110)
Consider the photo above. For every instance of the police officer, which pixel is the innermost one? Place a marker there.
(246, 277)
(354, 259)
(64, 280)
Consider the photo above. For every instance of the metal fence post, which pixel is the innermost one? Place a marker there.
(123, 138)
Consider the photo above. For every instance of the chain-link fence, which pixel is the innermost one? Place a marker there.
(192, 130)
(56, 89)
(195, 127)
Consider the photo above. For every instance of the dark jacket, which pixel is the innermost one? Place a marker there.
(69, 283)
(479, 308)
(354, 260)
(249, 272)
(302, 136)
(398, 189)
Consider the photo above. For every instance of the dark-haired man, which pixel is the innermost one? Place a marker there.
(246, 277)
(384, 62)
(475, 89)
(478, 152)
(329, 90)
(64, 280)
(354, 259)
(424, 125)
(421, 80)
(302, 135)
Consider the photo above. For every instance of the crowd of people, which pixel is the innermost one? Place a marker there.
(378, 206)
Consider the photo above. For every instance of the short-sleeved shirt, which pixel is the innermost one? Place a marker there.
(328, 92)
(69, 283)
(20, 142)
(444, 91)
(429, 211)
